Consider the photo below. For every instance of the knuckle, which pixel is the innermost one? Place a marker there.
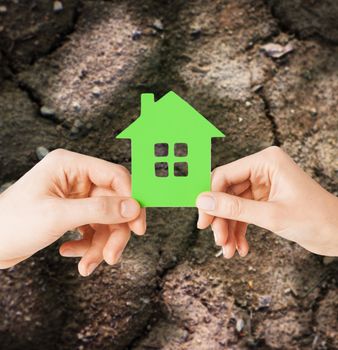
(234, 207)
(274, 152)
(216, 175)
(101, 206)
(56, 155)
(122, 170)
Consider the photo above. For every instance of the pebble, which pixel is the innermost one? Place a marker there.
(220, 253)
(149, 31)
(47, 112)
(264, 301)
(76, 106)
(327, 260)
(96, 91)
(196, 33)
(78, 123)
(158, 24)
(239, 325)
(41, 152)
(248, 104)
(57, 6)
(3, 9)
(136, 34)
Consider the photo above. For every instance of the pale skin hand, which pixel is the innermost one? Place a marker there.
(269, 190)
(63, 192)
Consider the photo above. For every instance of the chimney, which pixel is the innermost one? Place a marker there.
(147, 101)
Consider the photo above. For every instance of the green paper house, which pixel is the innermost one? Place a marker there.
(171, 152)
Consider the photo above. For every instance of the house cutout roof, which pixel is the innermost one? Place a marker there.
(170, 116)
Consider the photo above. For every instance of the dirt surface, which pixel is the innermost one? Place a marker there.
(87, 64)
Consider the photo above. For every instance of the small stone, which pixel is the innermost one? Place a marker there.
(264, 301)
(313, 112)
(240, 119)
(3, 9)
(158, 25)
(239, 325)
(78, 123)
(327, 260)
(248, 104)
(257, 87)
(96, 91)
(196, 33)
(76, 106)
(47, 112)
(57, 6)
(218, 254)
(287, 291)
(149, 31)
(136, 34)
(41, 152)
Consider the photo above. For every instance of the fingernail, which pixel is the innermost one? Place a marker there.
(68, 253)
(199, 224)
(117, 256)
(206, 203)
(226, 252)
(91, 268)
(129, 208)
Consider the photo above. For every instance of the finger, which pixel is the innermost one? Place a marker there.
(100, 172)
(139, 225)
(86, 231)
(204, 220)
(94, 256)
(233, 173)
(75, 249)
(241, 228)
(220, 229)
(230, 247)
(263, 214)
(242, 244)
(116, 243)
(238, 189)
(102, 210)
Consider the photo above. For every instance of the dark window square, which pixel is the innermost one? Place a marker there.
(181, 149)
(181, 169)
(161, 169)
(161, 149)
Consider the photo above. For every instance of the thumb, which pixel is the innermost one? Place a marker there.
(263, 214)
(96, 210)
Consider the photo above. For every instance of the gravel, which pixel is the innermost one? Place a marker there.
(57, 6)
(41, 152)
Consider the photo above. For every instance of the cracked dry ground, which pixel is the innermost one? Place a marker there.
(90, 62)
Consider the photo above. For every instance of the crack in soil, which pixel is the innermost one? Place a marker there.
(269, 115)
(160, 313)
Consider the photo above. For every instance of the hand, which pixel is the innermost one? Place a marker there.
(269, 190)
(63, 192)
